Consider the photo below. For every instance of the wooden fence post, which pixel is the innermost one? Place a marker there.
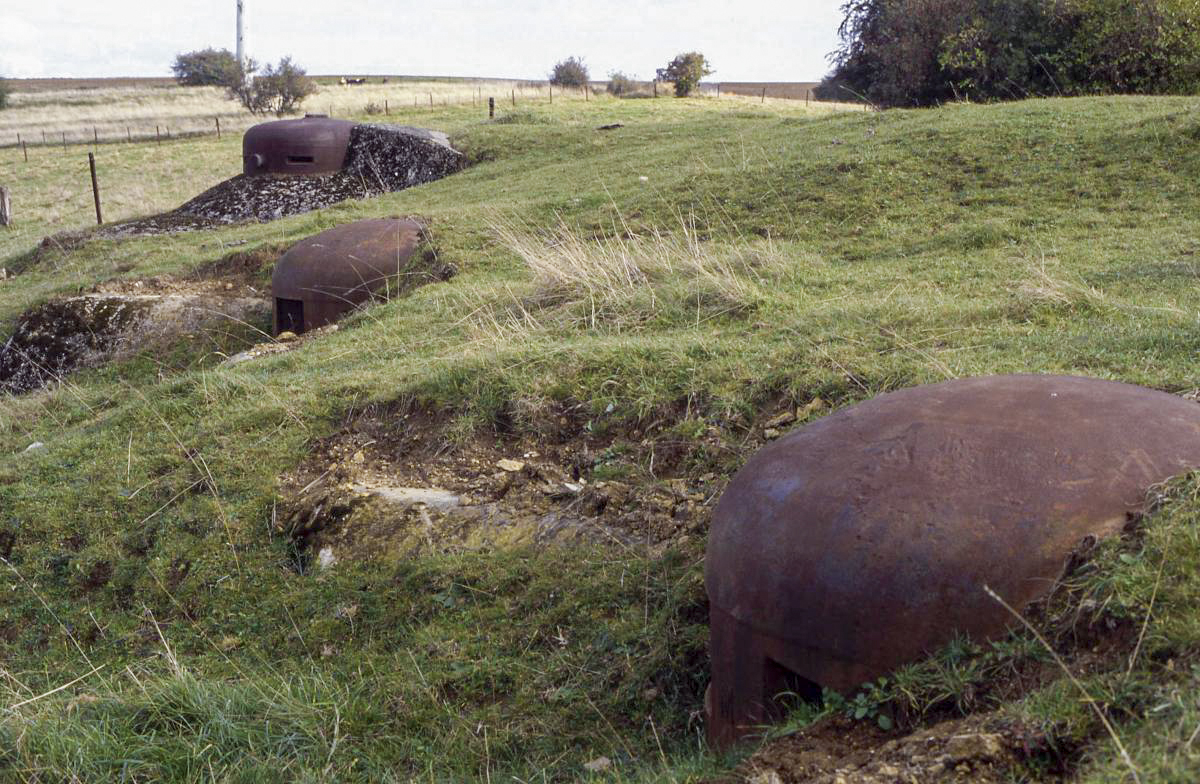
(95, 188)
(431, 99)
(5, 207)
(655, 88)
(128, 135)
(764, 96)
(514, 97)
(25, 151)
(43, 137)
(386, 108)
(158, 134)
(218, 119)
(95, 136)
(491, 107)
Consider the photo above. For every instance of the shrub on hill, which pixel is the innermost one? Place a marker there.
(569, 73)
(924, 52)
(686, 71)
(619, 84)
(205, 67)
(3, 93)
(279, 89)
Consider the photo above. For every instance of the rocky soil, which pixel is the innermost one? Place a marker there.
(982, 748)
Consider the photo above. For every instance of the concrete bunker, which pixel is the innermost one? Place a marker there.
(863, 541)
(322, 278)
(312, 145)
(294, 166)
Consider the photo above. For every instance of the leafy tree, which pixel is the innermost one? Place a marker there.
(277, 89)
(569, 73)
(686, 71)
(205, 67)
(922, 52)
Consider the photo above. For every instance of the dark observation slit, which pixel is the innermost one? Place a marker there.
(289, 315)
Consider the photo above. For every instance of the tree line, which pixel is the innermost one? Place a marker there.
(925, 52)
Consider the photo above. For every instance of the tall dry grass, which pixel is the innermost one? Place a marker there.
(622, 281)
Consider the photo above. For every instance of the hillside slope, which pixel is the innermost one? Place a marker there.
(631, 308)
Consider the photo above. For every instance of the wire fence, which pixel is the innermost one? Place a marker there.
(383, 104)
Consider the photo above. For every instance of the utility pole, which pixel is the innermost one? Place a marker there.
(241, 34)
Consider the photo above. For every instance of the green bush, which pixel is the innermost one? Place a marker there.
(569, 73)
(205, 67)
(277, 90)
(3, 93)
(686, 71)
(621, 85)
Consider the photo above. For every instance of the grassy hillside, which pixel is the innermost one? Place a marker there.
(632, 305)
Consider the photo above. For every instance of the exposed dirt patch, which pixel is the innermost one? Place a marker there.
(380, 159)
(392, 485)
(983, 748)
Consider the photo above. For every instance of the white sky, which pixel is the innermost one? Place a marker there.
(754, 40)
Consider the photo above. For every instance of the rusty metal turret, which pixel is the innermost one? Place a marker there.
(863, 541)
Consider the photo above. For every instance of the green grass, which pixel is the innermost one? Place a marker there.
(888, 250)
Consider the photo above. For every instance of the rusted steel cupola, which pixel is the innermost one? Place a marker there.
(312, 145)
(322, 278)
(864, 540)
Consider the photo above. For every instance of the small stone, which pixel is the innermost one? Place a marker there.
(766, 777)
(770, 434)
(786, 418)
(326, 558)
(286, 335)
(229, 287)
(598, 765)
(36, 446)
(813, 406)
(982, 746)
(888, 770)
(358, 457)
(511, 466)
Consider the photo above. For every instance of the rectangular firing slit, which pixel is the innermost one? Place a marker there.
(300, 159)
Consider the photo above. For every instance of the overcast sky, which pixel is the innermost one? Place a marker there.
(754, 40)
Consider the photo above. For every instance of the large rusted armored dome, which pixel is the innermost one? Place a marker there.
(312, 145)
(863, 541)
(322, 278)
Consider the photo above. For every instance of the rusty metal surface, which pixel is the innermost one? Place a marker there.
(862, 541)
(334, 272)
(314, 144)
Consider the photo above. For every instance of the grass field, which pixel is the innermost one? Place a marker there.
(157, 625)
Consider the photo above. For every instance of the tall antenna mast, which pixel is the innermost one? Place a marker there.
(241, 34)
